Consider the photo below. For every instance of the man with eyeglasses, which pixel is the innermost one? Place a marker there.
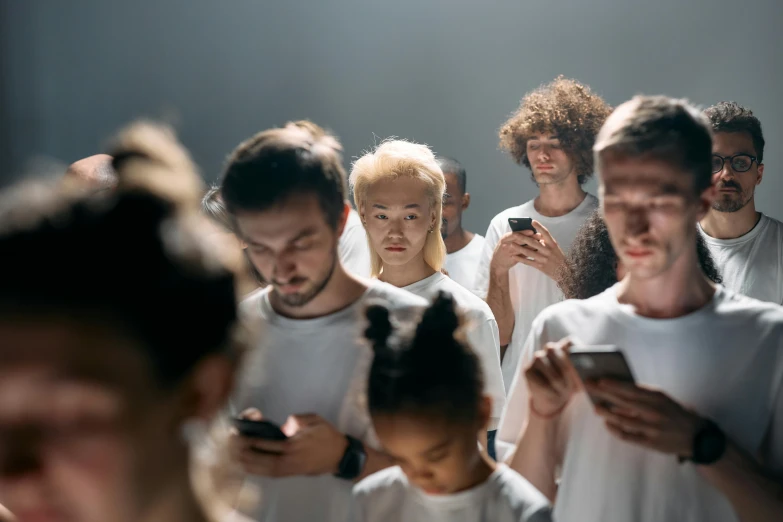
(747, 245)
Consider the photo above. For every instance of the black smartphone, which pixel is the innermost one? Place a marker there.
(600, 362)
(520, 224)
(262, 429)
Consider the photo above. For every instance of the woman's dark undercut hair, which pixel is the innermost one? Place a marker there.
(131, 259)
(431, 371)
(276, 164)
(733, 117)
(591, 264)
(568, 110)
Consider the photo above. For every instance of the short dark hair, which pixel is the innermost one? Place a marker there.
(131, 259)
(275, 164)
(402, 379)
(452, 166)
(661, 128)
(729, 116)
(568, 109)
(591, 264)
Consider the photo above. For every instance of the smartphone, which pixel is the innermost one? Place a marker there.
(520, 224)
(600, 362)
(262, 429)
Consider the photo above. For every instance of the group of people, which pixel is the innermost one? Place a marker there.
(403, 368)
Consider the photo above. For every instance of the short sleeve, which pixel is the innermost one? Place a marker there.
(484, 338)
(355, 251)
(492, 238)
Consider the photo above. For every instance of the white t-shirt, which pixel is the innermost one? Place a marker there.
(462, 264)
(482, 333)
(505, 496)
(312, 366)
(531, 290)
(752, 264)
(353, 247)
(724, 360)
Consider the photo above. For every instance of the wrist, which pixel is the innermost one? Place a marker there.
(707, 444)
(354, 458)
(340, 449)
(544, 413)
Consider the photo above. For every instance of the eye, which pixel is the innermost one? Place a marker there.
(557, 146)
(259, 249)
(380, 216)
(533, 146)
(411, 217)
(437, 456)
(303, 245)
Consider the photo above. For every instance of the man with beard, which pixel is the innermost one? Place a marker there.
(286, 191)
(747, 245)
(463, 247)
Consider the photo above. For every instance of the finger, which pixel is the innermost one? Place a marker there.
(268, 446)
(622, 409)
(523, 240)
(629, 391)
(555, 363)
(307, 419)
(545, 235)
(251, 414)
(553, 378)
(525, 260)
(634, 438)
(263, 464)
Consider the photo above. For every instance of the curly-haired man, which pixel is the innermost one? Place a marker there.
(747, 245)
(552, 133)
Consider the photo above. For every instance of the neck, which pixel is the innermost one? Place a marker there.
(411, 272)
(558, 199)
(177, 503)
(483, 467)
(679, 291)
(730, 225)
(458, 240)
(341, 291)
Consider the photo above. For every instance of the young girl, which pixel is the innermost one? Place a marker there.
(108, 368)
(398, 190)
(427, 420)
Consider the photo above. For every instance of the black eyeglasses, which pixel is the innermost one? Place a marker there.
(738, 162)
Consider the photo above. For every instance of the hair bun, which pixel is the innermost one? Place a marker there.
(380, 327)
(440, 319)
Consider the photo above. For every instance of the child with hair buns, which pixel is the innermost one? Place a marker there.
(427, 421)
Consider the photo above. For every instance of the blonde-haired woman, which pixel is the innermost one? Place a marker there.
(398, 190)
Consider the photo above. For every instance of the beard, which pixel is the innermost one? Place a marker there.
(731, 202)
(300, 299)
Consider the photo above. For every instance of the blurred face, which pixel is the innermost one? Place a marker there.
(454, 203)
(437, 456)
(651, 211)
(85, 434)
(735, 189)
(549, 162)
(398, 216)
(292, 246)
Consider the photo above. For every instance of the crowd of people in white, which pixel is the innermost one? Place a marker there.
(607, 357)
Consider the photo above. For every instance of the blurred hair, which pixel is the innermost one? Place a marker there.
(451, 166)
(729, 116)
(431, 371)
(663, 129)
(395, 159)
(564, 108)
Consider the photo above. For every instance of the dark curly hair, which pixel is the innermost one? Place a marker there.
(732, 117)
(591, 265)
(569, 110)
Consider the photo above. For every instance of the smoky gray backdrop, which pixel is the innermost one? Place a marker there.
(443, 72)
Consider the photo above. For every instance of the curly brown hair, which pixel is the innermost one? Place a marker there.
(566, 108)
(591, 264)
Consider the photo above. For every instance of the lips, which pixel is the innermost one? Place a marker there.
(395, 248)
(545, 167)
(638, 253)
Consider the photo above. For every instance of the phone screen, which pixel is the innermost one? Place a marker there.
(600, 362)
(262, 429)
(520, 224)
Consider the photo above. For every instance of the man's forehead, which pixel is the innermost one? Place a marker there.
(621, 173)
(733, 143)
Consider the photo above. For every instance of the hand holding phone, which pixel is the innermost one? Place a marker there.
(593, 363)
(521, 224)
(262, 429)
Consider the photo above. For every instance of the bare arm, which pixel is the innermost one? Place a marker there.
(499, 300)
(537, 455)
(754, 493)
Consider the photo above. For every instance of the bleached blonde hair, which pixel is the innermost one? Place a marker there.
(394, 159)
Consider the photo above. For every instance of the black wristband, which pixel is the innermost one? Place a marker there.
(709, 444)
(354, 458)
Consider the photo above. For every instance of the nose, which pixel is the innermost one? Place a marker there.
(395, 228)
(285, 267)
(543, 154)
(636, 222)
(420, 475)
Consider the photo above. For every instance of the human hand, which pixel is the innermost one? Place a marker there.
(551, 379)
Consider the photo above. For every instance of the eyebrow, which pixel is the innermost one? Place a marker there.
(550, 138)
(302, 235)
(437, 447)
(411, 205)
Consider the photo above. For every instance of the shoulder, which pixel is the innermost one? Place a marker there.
(741, 307)
(251, 307)
(386, 482)
(501, 220)
(354, 222)
(467, 300)
(395, 297)
(521, 496)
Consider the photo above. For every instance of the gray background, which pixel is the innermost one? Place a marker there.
(445, 72)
